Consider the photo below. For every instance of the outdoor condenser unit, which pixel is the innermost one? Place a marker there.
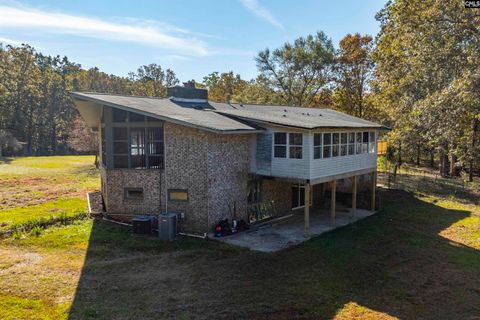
(167, 228)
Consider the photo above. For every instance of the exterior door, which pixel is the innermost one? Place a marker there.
(298, 196)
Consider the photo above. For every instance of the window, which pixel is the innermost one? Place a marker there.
(133, 193)
(135, 117)
(371, 149)
(335, 144)
(317, 145)
(343, 143)
(358, 143)
(327, 145)
(137, 148)
(178, 195)
(120, 147)
(280, 145)
(254, 191)
(155, 147)
(365, 142)
(295, 145)
(351, 143)
(119, 115)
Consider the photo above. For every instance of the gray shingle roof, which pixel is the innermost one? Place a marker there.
(306, 118)
(225, 117)
(168, 110)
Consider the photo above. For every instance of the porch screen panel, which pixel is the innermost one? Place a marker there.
(335, 144)
(155, 147)
(137, 148)
(295, 145)
(351, 143)
(343, 143)
(317, 146)
(358, 141)
(327, 145)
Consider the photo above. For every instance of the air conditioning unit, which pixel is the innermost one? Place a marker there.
(167, 226)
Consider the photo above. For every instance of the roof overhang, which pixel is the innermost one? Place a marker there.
(91, 110)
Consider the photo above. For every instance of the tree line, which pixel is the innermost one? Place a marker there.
(419, 76)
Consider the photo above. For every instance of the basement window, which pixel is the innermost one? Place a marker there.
(178, 195)
(133, 193)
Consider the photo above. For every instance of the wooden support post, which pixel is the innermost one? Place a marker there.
(354, 195)
(333, 202)
(307, 209)
(374, 186)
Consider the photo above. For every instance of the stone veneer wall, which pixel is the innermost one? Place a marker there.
(228, 165)
(186, 168)
(280, 192)
(115, 180)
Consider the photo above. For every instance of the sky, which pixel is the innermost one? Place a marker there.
(192, 37)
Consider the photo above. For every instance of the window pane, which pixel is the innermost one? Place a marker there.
(326, 151)
(359, 137)
(296, 152)
(120, 161)
(372, 136)
(359, 148)
(317, 152)
(343, 137)
(120, 147)
(327, 138)
(280, 138)
(365, 137)
(351, 149)
(133, 194)
(317, 139)
(351, 137)
(335, 138)
(178, 195)
(280, 152)
(335, 150)
(155, 148)
(138, 161)
(135, 117)
(155, 162)
(119, 115)
(296, 139)
(343, 150)
(155, 133)
(119, 133)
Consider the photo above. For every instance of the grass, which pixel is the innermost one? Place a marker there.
(44, 188)
(417, 258)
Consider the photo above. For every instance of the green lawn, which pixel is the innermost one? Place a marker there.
(417, 258)
(44, 188)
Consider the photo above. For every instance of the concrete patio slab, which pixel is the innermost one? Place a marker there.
(290, 232)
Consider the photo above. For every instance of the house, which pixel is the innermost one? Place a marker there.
(210, 161)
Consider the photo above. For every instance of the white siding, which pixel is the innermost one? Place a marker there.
(307, 167)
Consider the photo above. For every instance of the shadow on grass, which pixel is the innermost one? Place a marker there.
(5, 160)
(395, 263)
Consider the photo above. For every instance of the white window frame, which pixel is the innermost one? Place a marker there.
(287, 145)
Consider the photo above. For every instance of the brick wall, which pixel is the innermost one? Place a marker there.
(115, 180)
(228, 164)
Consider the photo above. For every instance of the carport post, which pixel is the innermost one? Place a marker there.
(354, 195)
(333, 202)
(374, 186)
(307, 209)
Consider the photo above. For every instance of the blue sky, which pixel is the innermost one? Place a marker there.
(192, 37)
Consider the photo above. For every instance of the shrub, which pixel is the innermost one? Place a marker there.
(36, 231)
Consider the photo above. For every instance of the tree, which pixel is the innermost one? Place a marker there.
(221, 86)
(152, 80)
(352, 71)
(82, 139)
(8, 143)
(300, 70)
(425, 54)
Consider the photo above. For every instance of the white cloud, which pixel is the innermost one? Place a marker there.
(10, 41)
(147, 32)
(262, 12)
